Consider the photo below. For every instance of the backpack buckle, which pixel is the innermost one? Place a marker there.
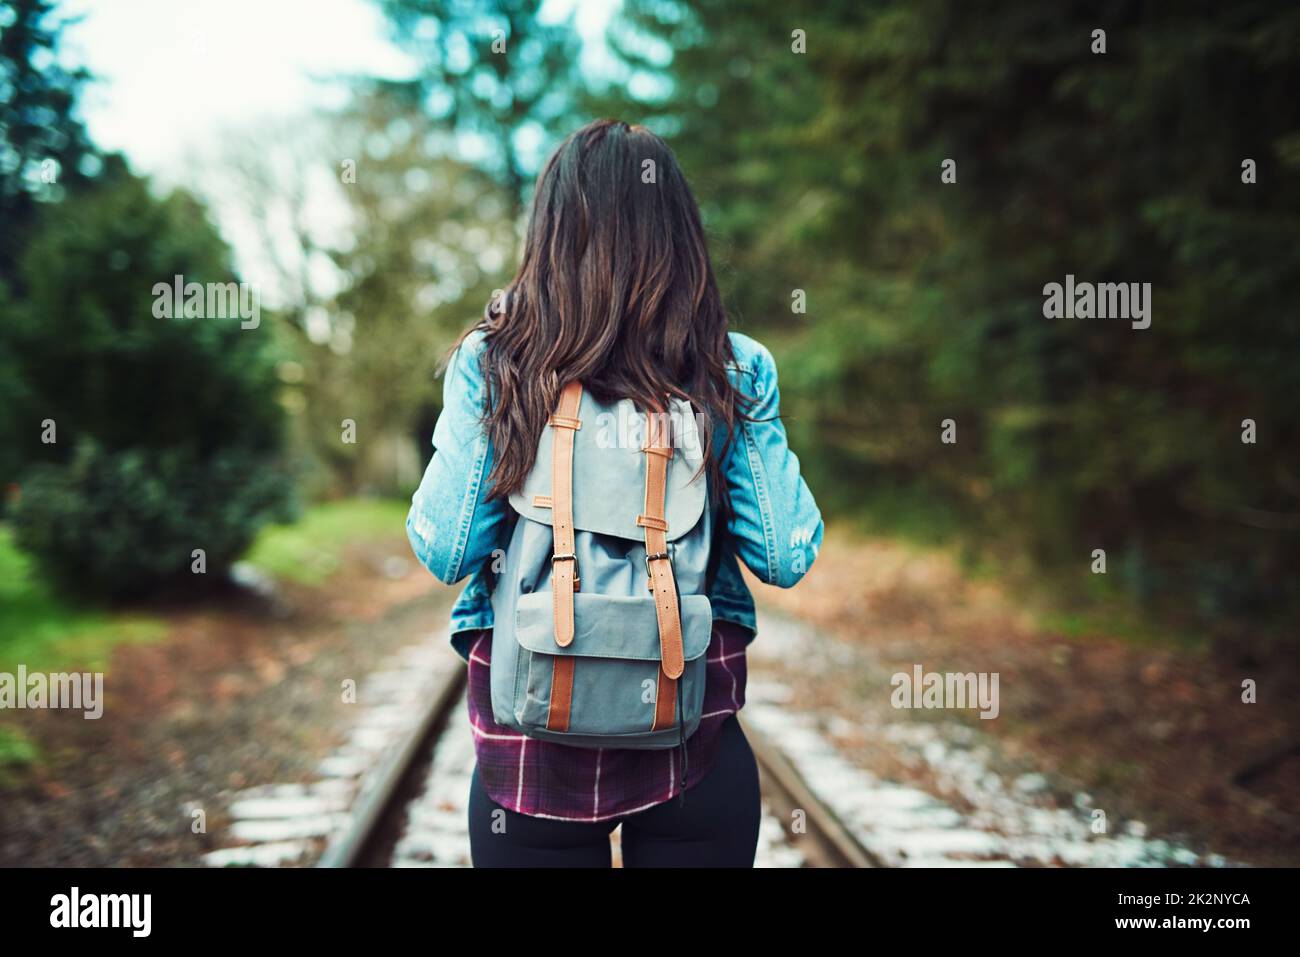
(570, 557)
(649, 579)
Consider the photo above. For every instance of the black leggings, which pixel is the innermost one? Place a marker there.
(718, 827)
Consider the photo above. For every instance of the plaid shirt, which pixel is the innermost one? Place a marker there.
(547, 779)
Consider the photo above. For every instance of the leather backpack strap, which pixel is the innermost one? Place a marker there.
(659, 568)
(564, 562)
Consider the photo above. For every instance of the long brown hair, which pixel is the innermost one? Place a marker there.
(616, 290)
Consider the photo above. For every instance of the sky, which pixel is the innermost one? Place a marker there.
(175, 78)
(173, 73)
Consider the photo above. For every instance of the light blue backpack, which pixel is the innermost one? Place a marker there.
(601, 612)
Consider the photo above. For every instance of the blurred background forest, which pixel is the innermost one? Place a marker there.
(892, 300)
(814, 135)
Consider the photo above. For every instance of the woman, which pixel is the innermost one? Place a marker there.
(616, 291)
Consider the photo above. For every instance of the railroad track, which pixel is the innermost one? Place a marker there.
(374, 824)
(811, 826)
(374, 834)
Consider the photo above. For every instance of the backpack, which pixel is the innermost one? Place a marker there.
(601, 612)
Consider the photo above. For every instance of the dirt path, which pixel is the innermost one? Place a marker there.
(239, 693)
(1150, 734)
(246, 695)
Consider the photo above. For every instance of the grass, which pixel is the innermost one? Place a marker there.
(16, 753)
(309, 551)
(1072, 602)
(45, 631)
(909, 514)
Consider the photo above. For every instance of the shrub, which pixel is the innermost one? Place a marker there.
(169, 432)
(121, 523)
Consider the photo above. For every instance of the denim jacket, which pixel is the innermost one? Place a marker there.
(775, 529)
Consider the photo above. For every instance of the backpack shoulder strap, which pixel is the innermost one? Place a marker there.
(564, 563)
(564, 560)
(659, 566)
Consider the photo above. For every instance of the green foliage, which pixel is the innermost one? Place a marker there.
(122, 523)
(364, 329)
(425, 253)
(43, 145)
(821, 171)
(492, 69)
(168, 431)
(17, 752)
(310, 550)
(41, 629)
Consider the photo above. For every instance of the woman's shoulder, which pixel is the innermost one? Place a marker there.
(463, 378)
(471, 347)
(751, 356)
(465, 364)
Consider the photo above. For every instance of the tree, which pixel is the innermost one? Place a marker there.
(821, 170)
(44, 148)
(381, 250)
(144, 437)
(492, 72)
(431, 242)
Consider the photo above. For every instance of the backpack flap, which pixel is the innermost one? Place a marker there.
(614, 684)
(607, 455)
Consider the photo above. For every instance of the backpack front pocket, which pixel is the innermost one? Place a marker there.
(615, 656)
